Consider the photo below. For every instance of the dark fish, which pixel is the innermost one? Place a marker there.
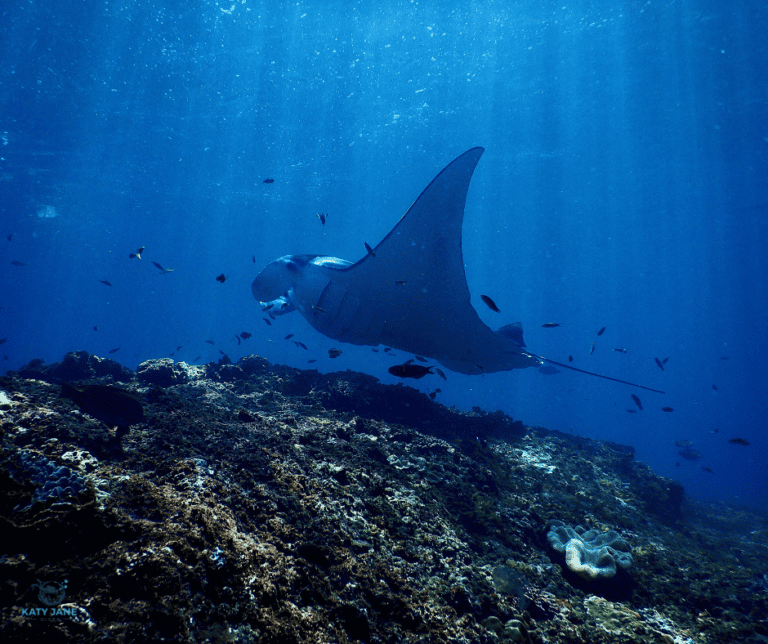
(300, 344)
(196, 359)
(253, 258)
(268, 180)
(440, 373)
(738, 441)
(222, 353)
(238, 340)
(267, 321)
(95, 328)
(111, 405)
(592, 349)
(715, 430)
(706, 469)
(570, 358)
(621, 350)
(659, 364)
(667, 409)
(408, 370)
(683, 443)
(245, 335)
(399, 282)
(171, 354)
(210, 342)
(387, 349)
(311, 361)
(137, 254)
(637, 401)
(317, 310)
(664, 361)
(114, 350)
(715, 388)
(289, 336)
(105, 282)
(334, 353)
(268, 306)
(162, 270)
(375, 350)
(432, 395)
(690, 454)
(632, 411)
(492, 305)
(420, 358)
(550, 325)
(322, 217)
(16, 262)
(283, 305)
(10, 237)
(179, 347)
(221, 278)
(369, 249)
(601, 331)
(4, 340)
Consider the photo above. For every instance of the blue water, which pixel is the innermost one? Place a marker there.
(623, 185)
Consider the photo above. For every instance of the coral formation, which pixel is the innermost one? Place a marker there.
(589, 553)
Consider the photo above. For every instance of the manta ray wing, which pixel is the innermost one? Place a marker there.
(411, 292)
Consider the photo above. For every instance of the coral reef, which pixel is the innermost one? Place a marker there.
(260, 503)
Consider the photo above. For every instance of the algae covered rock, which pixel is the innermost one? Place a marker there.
(592, 555)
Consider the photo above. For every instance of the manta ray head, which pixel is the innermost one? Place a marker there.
(279, 277)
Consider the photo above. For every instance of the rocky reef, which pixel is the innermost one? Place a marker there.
(261, 503)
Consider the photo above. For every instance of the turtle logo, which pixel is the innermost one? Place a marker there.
(51, 593)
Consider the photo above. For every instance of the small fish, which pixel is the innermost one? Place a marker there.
(399, 282)
(210, 342)
(387, 349)
(178, 348)
(161, 269)
(4, 340)
(137, 254)
(664, 361)
(738, 441)
(408, 370)
(420, 358)
(289, 336)
(721, 357)
(267, 321)
(16, 262)
(268, 180)
(621, 350)
(253, 258)
(432, 395)
(334, 353)
(95, 328)
(10, 237)
(268, 306)
(592, 349)
(171, 354)
(238, 340)
(683, 443)
(300, 344)
(550, 325)
(114, 350)
(667, 409)
(659, 363)
(369, 249)
(715, 388)
(283, 305)
(632, 411)
(221, 278)
(245, 335)
(440, 373)
(601, 331)
(111, 405)
(375, 350)
(322, 217)
(317, 310)
(637, 401)
(715, 430)
(105, 282)
(492, 305)
(311, 361)
(196, 359)
(706, 469)
(570, 358)
(222, 353)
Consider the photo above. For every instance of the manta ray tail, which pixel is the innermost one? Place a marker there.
(590, 373)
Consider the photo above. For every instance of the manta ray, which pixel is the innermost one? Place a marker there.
(409, 292)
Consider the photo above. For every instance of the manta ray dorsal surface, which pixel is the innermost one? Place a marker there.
(409, 293)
